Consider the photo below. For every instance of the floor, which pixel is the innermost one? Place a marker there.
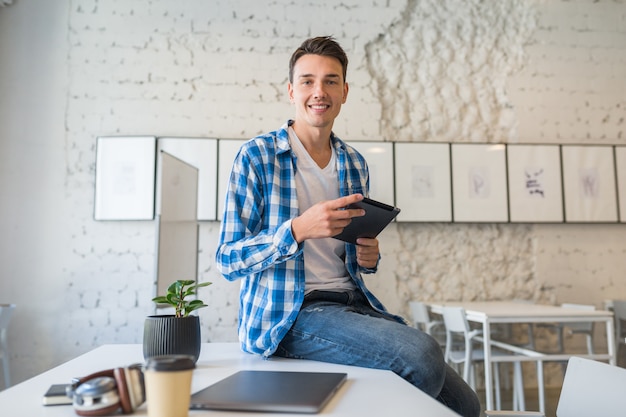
(532, 402)
(551, 394)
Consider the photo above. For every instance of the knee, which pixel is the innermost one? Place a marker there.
(424, 366)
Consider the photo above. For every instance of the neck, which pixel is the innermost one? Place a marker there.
(316, 141)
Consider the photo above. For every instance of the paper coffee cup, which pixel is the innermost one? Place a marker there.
(168, 385)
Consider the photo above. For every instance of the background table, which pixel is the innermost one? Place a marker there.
(367, 392)
(492, 312)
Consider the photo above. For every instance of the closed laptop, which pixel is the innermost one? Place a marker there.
(270, 391)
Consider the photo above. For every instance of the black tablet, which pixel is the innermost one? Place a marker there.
(377, 216)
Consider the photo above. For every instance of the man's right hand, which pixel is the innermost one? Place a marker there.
(326, 218)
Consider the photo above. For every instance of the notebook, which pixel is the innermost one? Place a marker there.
(270, 391)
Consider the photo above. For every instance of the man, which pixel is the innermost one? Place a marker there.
(302, 294)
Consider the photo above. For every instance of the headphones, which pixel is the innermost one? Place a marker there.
(103, 393)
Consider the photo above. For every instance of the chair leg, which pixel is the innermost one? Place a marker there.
(590, 344)
(496, 383)
(541, 387)
(7, 378)
(518, 387)
(5, 361)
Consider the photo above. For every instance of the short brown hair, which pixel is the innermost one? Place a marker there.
(321, 45)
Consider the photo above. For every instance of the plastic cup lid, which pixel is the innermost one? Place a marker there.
(169, 363)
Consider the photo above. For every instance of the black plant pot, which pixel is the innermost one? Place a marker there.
(168, 335)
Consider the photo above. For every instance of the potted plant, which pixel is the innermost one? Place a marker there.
(179, 333)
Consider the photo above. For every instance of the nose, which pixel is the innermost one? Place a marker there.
(319, 90)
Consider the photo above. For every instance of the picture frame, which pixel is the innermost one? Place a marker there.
(125, 178)
(589, 183)
(479, 187)
(227, 151)
(620, 167)
(379, 157)
(534, 183)
(202, 154)
(423, 182)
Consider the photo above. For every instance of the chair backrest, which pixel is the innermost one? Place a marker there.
(582, 326)
(419, 313)
(455, 320)
(592, 388)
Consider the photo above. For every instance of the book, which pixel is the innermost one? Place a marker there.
(56, 395)
(377, 216)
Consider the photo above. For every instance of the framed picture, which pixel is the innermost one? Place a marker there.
(589, 184)
(534, 180)
(479, 189)
(227, 151)
(125, 178)
(202, 154)
(620, 165)
(423, 183)
(379, 157)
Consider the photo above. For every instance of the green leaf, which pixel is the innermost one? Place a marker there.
(176, 296)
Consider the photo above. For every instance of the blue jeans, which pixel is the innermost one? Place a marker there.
(343, 328)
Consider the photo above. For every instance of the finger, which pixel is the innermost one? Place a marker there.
(364, 241)
(342, 202)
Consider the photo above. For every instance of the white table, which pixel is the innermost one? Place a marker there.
(367, 392)
(492, 312)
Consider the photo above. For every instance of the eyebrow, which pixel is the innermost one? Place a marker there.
(332, 75)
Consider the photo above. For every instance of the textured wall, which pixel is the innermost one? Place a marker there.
(448, 70)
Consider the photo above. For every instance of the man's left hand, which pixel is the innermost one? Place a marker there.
(367, 252)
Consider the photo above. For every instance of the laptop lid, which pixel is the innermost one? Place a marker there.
(592, 388)
(270, 391)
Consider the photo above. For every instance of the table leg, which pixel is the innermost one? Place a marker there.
(610, 341)
(488, 365)
(541, 388)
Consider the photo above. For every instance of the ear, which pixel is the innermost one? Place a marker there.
(345, 92)
(290, 92)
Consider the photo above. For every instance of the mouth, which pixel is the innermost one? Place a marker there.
(319, 106)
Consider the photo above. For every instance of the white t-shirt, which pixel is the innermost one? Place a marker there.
(323, 258)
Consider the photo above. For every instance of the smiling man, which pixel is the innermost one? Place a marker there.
(302, 293)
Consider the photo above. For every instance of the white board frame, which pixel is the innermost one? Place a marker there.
(423, 182)
(203, 154)
(125, 178)
(479, 187)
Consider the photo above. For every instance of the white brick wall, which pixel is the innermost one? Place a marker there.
(433, 70)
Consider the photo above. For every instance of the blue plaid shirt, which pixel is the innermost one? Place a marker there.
(256, 243)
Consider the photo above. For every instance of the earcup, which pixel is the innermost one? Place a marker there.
(103, 393)
(96, 395)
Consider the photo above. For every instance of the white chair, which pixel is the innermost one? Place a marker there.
(590, 388)
(5, 316)
(467, 354)
(584, 328)
(422, 320)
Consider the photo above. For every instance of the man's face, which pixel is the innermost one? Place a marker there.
(318, 90)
